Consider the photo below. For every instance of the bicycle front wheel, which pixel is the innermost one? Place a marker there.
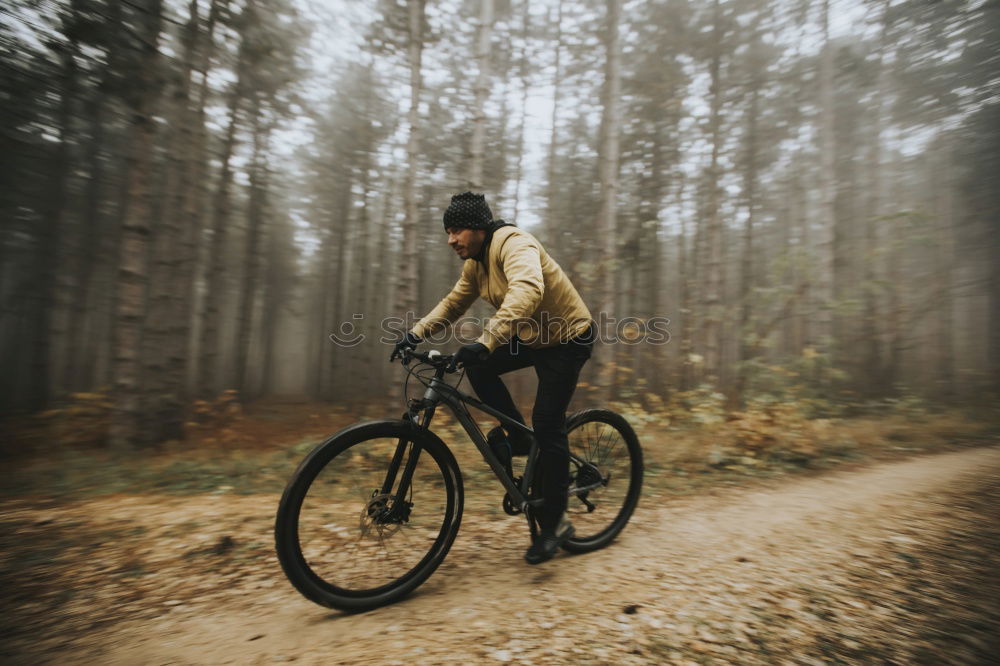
(347, 537)
(608, 460)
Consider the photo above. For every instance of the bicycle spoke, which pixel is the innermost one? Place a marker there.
(606, 473)
(597, 445)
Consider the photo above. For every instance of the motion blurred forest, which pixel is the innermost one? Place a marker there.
(195, 195)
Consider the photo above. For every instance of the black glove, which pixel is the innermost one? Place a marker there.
(408, 341)
(470, 354)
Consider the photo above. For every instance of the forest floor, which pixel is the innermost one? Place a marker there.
(871, 561)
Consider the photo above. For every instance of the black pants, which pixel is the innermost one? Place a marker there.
(558, 369)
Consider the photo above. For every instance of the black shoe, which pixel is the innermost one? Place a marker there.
(520, 443)
(505, 445)
(548, 542)
(500, 446)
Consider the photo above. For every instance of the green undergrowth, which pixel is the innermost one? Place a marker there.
(177, 470)
(704, 444)
(690, 444)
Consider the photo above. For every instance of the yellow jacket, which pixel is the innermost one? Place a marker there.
(534, 299)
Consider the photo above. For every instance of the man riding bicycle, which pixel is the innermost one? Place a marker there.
(541, 321)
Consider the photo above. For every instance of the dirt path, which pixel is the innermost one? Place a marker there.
(895, 562)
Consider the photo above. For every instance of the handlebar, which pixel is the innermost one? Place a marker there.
(433, 358)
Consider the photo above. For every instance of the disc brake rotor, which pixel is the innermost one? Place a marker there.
(375, 516)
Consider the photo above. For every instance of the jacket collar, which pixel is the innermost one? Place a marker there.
(484, 251)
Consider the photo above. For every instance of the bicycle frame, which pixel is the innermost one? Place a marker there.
(440, 392)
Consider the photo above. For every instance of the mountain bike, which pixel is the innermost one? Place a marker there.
(372, 511)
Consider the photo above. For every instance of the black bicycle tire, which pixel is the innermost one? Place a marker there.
(618, 422)
(289, 552)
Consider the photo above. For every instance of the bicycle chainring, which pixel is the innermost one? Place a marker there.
(508, 503)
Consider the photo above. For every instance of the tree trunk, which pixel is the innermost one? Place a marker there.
(713, 295)
(685, 282)
(698, 262)
(208, 366)
(193, 208)
(47, 325)
(993, 319)
(384, 298)
(256, 210)
(523, 69)
(134, 263)
(654, 368)
(872, 368)
(896, 314)
(748, 343)
(606, 226)
(825, 246)
(339, 378)
(366, 273)
(82, 342)
(482, 90)
(168, 319)
(944, 184)
(318, 343)
(406, 295)
(104, 363)
(272, 297)
(549, 226)
(78, 338)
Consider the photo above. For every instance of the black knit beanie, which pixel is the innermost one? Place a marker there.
(468, 211)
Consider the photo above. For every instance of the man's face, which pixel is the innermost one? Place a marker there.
(466, 242)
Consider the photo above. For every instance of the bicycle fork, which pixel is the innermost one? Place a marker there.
(400, 509)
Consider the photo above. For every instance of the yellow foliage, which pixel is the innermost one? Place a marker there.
(217, 413)
(83, 397)
(83, 421)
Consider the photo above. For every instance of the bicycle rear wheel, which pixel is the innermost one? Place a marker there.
(346, 540)
(613, 464)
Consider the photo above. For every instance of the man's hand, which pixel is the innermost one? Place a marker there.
(470, 354)
(408, 341)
